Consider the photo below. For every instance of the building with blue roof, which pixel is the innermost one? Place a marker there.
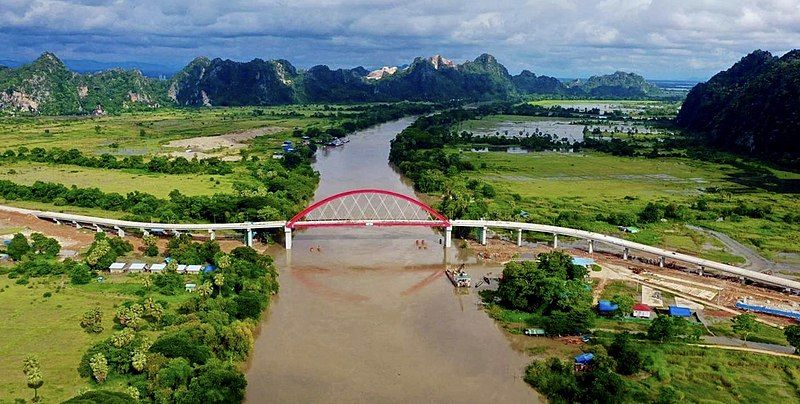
(605, 306)
(677, 311)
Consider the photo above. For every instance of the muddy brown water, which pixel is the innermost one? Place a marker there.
(371, 317)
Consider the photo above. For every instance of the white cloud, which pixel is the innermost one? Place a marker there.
(659, 38)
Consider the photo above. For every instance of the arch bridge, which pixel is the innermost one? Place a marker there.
(366, 207)
(376, 207)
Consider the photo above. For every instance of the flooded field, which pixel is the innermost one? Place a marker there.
(370, 317)
(572, 131)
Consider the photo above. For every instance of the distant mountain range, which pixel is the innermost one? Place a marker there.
(753, 107)
(47, 86)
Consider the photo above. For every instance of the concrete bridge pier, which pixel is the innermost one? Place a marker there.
(702, 268)
(519, 237)
(625, 253)
(555, 240)
(57, 221)
(448, 236)
(97, 229)
(661, 261)
(591, 246)
(287, 232)
(145, 232)
(212, 235)
(249, 240)
(77, 225)
(120, 232)
(483, 235)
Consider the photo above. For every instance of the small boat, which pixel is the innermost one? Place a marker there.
(459, 277)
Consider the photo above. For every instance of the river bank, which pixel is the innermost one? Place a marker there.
(370, 316)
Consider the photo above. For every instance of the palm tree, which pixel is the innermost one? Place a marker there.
(219, 280)
(204, 290)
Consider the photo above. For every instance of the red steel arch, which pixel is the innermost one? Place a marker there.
(388, 207)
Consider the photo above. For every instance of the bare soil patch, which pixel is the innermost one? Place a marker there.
(215, 146)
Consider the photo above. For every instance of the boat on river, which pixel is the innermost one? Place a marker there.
(459, 277)
(338, 142)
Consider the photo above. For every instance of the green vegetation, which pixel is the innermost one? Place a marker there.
(257, 187)
(749, 108)
(680, 373)
(552, 288)
(140, 335)
(666, 187)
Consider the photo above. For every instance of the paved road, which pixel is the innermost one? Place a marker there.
(760, 346)
(753, 260)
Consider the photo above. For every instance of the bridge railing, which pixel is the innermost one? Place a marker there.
(660, 252)
(249, 227)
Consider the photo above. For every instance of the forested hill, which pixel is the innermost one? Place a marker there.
(752, 108)
(47, 86)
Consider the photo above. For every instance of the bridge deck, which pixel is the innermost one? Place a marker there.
(540, 228)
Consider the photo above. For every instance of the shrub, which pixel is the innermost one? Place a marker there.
(216, 382)
(180, 344)
(92, 321)
(80, 274)
(100, 397)
(18, 247)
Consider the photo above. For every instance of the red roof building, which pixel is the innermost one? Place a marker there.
(642, 311)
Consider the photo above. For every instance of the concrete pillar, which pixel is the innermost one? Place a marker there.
(145, 232)
(77, 226)
(57, 222)
(555, 240)
(625, 253)
(448, 236)
(212, 234)
(120, 232)
(591, 246)
(483, 235)
(661, 261)
(98, 229)
(287, 231)
(519, 237)
(249, 237)
(702, 268)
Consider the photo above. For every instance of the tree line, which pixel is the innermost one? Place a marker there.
(156, 164)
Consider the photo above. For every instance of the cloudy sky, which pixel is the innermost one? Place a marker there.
(661, 39)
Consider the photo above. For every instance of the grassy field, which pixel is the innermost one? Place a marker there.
(120, 181)
(146, 132)
(545, 184)
(49, 328)
(719, 376)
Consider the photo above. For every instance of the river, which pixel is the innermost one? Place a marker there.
(371, 317)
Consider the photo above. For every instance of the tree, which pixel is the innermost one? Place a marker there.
(33, 375)
(651, 213)
(79, 274)
(18, 247)
(92, 321)
(150, 245)
(629, 359)
(216, 382)
(625, 305)
(204, 290)
(219, 280)
(666, 328)
(99, 367)
(100, 254)
(745, 324)
(139, 360)
(792, 333)
(45, 246)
